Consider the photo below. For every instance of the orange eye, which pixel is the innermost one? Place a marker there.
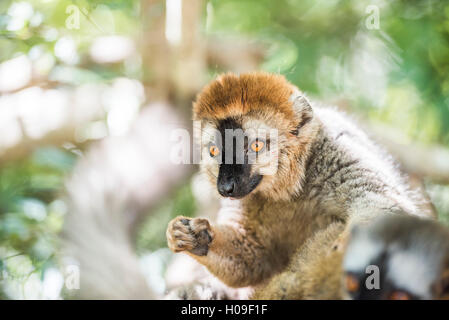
(351, 283)
(214, 151)
(257, 146)
(399, 295)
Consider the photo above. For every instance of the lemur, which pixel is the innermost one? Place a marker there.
(318, 169)
(411, 254)
(408, 255)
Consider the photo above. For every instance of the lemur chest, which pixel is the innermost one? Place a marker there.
(282, 224)
(277, 223)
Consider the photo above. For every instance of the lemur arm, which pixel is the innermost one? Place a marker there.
(232, 254)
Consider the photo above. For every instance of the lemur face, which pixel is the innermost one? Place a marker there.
(397, 258)
(238, 153)
(251, 135)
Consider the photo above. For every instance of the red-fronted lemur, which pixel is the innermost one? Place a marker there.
(326, 171)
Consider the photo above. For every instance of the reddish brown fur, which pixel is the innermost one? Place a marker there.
(232, 95)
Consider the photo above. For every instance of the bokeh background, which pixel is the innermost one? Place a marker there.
(90, 92)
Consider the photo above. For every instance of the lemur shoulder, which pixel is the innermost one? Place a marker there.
(327, 171)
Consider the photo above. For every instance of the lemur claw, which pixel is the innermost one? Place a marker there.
(189, 234)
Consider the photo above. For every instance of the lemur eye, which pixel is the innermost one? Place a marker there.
(214, 151)
(351, 283)
(257, 146)
(399, 295)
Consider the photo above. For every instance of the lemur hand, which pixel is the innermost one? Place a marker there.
(189, 234)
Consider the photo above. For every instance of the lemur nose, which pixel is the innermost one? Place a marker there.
(227, 188)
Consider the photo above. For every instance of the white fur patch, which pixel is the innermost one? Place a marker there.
(360, 253)
(409, 271)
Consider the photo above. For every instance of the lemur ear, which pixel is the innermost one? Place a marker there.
(302, 108)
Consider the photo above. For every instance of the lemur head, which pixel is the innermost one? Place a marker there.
(255, 132)
(409, 255)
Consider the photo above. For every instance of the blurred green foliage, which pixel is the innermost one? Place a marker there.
(324, 47)
(31, 215)
(316, 44)
(151, 235)
(47, 22)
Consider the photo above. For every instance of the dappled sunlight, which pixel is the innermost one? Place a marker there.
(15, 73)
